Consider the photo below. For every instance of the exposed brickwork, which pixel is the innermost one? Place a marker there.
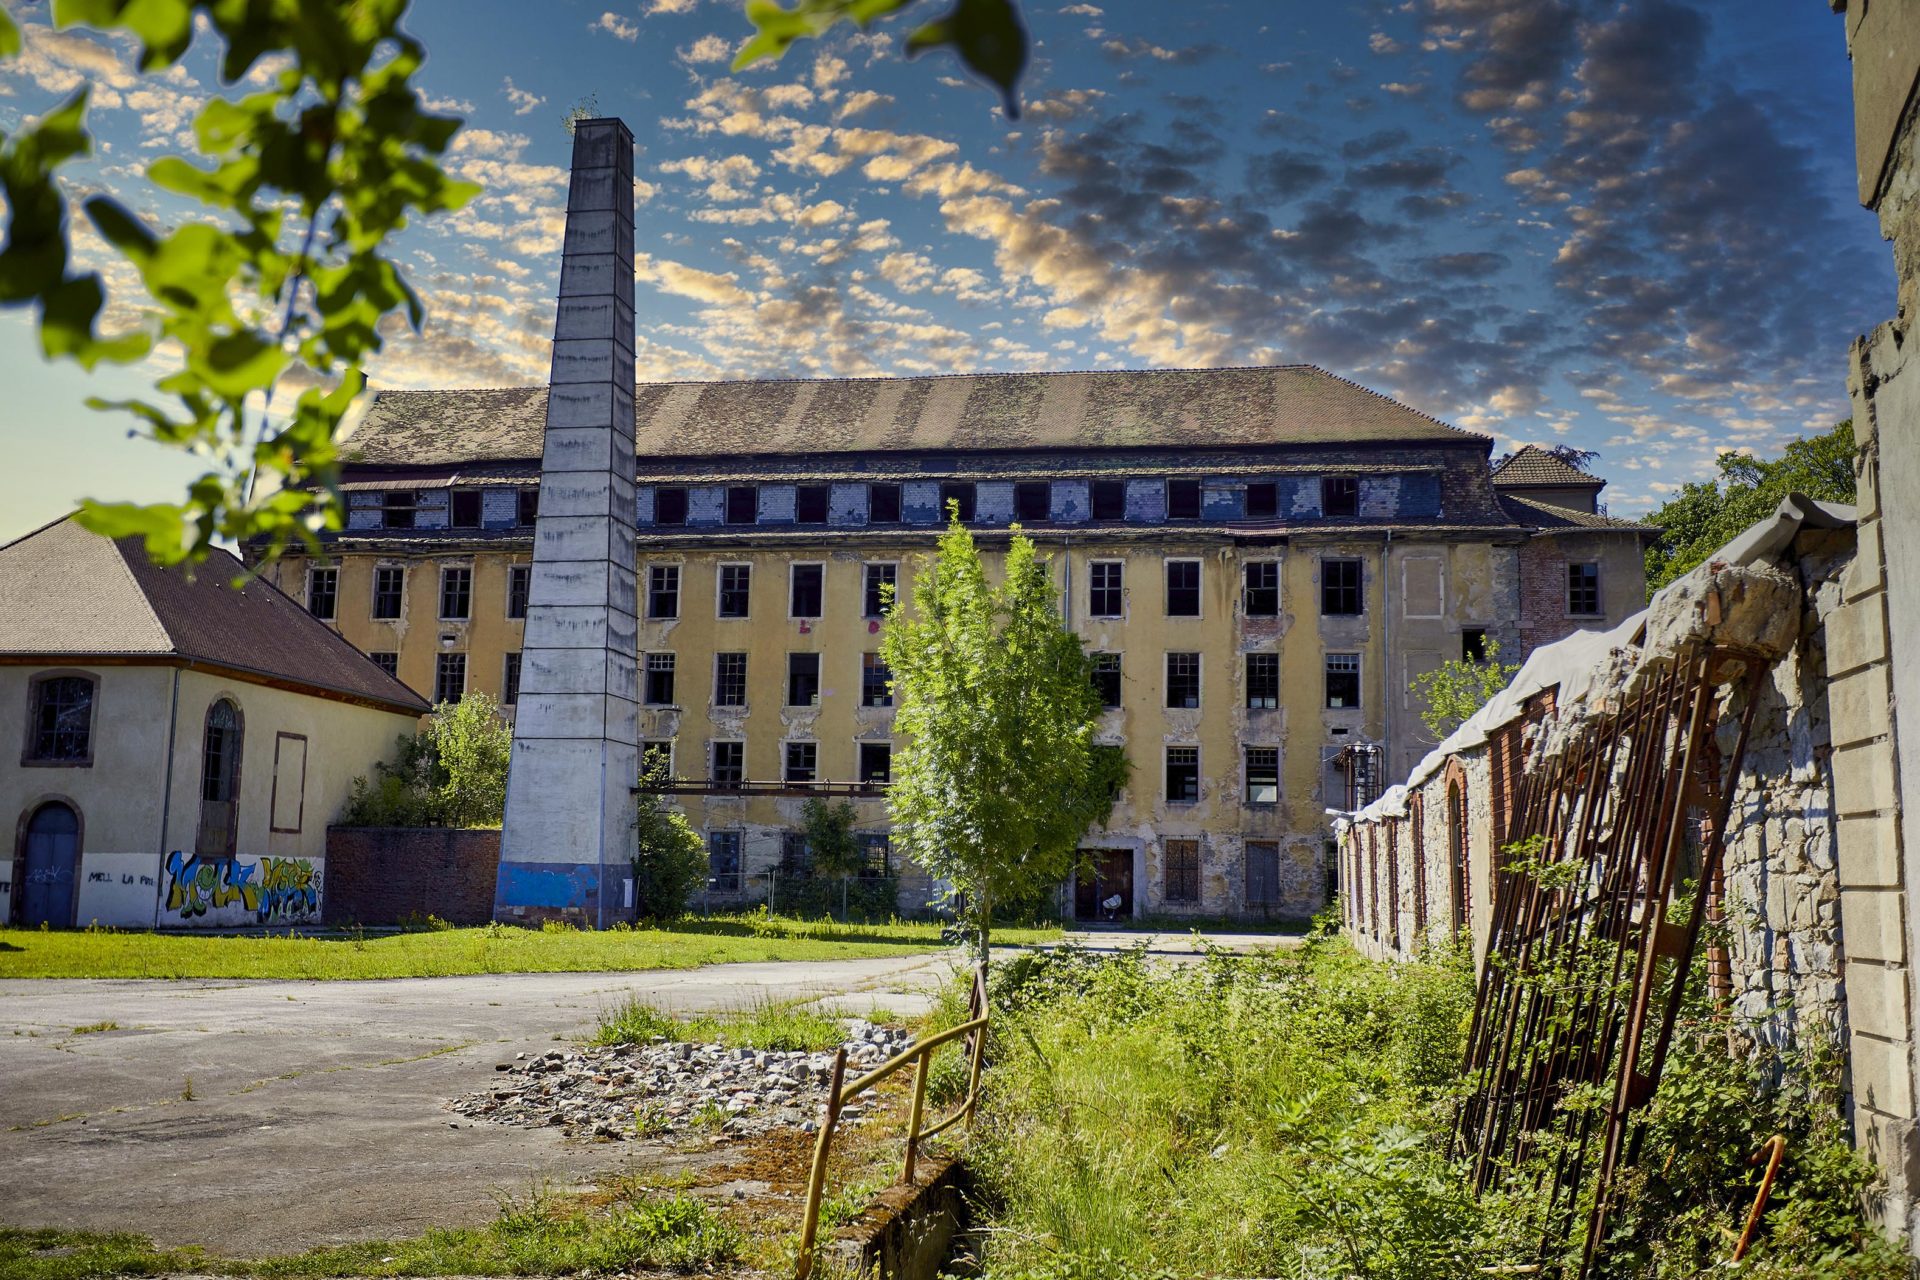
(383, 875)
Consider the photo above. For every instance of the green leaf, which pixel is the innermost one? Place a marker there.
(989, 37)
(9, 36)
(777, 27)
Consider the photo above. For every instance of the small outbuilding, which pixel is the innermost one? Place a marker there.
(185, 736)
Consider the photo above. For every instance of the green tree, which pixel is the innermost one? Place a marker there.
(669, 859)
(1459, 687)
(1706, 515)
(452, 772)
(830, 838)
(999, 778)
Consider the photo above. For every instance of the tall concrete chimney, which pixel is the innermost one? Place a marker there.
(568, 839)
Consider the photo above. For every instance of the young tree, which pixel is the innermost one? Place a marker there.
(1458, 687)
(999, 778)
(669, 860)
(451, 773)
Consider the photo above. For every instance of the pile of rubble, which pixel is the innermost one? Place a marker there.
(668, 1088)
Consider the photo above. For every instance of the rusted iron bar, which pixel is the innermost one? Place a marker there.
(1775, 1150)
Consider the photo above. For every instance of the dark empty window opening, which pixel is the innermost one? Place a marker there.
(1183, 679)
(389, 585)
(1583, 590)
(659, 680)
(1339, 497)
(456, 592)
(656, 757)
(1183, 499)
(387, 662)
(323, 592)
(450, 677)
(803, 679)
(883, 504)
(803, 761)
(526, 506)
(1473, 644)
(729, 764)
(220, 779)
(397, 507)
(878, 595)
(1106, 596)
(62, 720)
(729, 679)
(1183, 588)
(1262, 596)
(956, 496)
(1263, 500)
(1263, 775)
(808, 587)
(1182, 873)
(810, 504)
(519, 581)
(465, 509)
(663, 591)
(1032, 500)
(743, 504)
(723, 861)
(1109, 498)
(1263, 681)
(1106, 678)
(1183, 775)
(735, 582)
(876, 681)
(510, 681)
(796, 855)
(1340, 588)
(670, 505)
(876, 764)
(1343, 680)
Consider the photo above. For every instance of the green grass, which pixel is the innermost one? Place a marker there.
(545, 1236)
(93, 1027)
(783, 1025)
(686, 944)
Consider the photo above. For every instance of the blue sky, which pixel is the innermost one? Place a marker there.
(1626, 227)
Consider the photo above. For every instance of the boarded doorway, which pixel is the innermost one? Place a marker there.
(1112, 876)
(52, 866)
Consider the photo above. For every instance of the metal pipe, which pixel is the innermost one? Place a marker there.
(1775, 1149)
(817, 1175)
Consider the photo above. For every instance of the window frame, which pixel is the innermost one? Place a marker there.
(966, 494)
(1346, 488)
(1599, 609)
(399, 596)
(1103, 494)
(1186, 486)
(1198, 673)
(1473, 644)
(1357, 588)
(519, 590)
(807, 496)
(1247, 588)
(280, 739)
(720, 590)
(511, 665)
(742, 493)
(331, 572)
(651, 666)
(1357, 671)
(1167, 766)
(1167, 566)
(398, 514)
(28, 758)
(792, 675)
(739, 766)
(872, 665)
(720, 674)
(894, 500)
(861, 747)
(1262, 690)
(1270, 504)
(443, 662)
(658, 593)
(526, 506)
(819, 567)
(651, 747)
(728, 882)
(460, 595)
(681, 499)
(1025, 489)
(1109, 665)
(1189, 874)
(870, 605)
(788, 746)
(375, 656)
(1117, 590)
(1247, 766)
(456, 498)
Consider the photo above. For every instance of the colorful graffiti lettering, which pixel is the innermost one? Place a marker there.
(203, 884)
(290, 890)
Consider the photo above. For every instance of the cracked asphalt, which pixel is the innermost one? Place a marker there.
(268, 1117)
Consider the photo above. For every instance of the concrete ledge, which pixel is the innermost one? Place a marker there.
(907, 1232)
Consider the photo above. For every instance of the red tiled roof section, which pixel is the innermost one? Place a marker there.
(1535, 468)
(1107, 409)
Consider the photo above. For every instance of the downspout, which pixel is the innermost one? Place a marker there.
(1386, 642)
(166, 798)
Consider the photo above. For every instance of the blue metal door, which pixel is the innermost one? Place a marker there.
(53, 864)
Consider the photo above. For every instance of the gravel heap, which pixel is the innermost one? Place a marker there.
(665, 1088)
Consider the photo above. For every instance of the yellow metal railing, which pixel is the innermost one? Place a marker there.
(840, 1093)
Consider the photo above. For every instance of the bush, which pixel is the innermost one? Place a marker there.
(669, 858)
(451, 773)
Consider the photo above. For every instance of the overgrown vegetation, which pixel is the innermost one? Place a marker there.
(1287, 1115)
(451, 773)
(841, 879)
(1458, 687)
(782, 1025)
(669, 858)
(1707, 514)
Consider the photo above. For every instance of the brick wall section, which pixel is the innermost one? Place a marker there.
(383, 875)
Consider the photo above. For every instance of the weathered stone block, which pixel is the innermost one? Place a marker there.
(1881, 1076)
(1863, 779)
(582, 449)
(1875, 924)
(1856, 635)
(584, 360)
(1858, 706)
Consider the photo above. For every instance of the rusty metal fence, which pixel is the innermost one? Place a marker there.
(973, 1032)
(1600, 898)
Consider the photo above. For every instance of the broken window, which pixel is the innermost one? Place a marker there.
(1263, 681)
(1183, 499)
(1340, 588)
(1032, 500)
(519, 582)
(956, 500)
(663, 591)
(1106, 678)
(723, 861)
(1261, 595)
(876, 681)
(656, 756)
(803, 760)
(397, 507)
(1473, 644)
(735, 582)
(510, 681)
(743, 504)
(876, 763)
(1343, 680)
(323, 591)
(449, 677)
(878, 594)
(803, 679)
(1263, 775)
(456, 592)
(526, 506)
(1182, 871)
(808, 586)
(670, 505)
(883, 504)
(1183, 588)
(1583, 590)
(387, 661)
(810, 504)
(464, 509)
(1106, 597)
(1263, 500)
(729, 764)
(1183, 679)
(659, 685)
(1109, 498)
(1339, 497)
(389, 585)
(729, 679)
(62, 726)
(1183, 775)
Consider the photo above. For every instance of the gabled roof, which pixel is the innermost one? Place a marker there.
(1544, 517)
(1535, 468)
(1107, 409)
(72, 593)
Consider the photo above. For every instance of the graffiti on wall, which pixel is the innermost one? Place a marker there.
(270, 890)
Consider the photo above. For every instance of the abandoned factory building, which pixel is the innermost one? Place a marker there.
(1261, 559)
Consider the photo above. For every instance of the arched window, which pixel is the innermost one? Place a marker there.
(52, 866)
(1457, 853)
(220, 781)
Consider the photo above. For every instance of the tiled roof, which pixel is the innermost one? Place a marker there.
(1543, 517)
(77, 594)
(1534, 468)
(1109, 409)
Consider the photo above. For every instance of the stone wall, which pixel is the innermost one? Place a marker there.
(386, 875)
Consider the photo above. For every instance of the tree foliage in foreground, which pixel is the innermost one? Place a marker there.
(1706, 515)
(451, 773)
(669, 858)
(1459, 687)
(1000, 777)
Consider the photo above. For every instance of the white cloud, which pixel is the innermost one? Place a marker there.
(689, 282)
(669, 6)
(864, 100)
(524, 103)
(708, 48)
(616, 26)
(727, 178)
